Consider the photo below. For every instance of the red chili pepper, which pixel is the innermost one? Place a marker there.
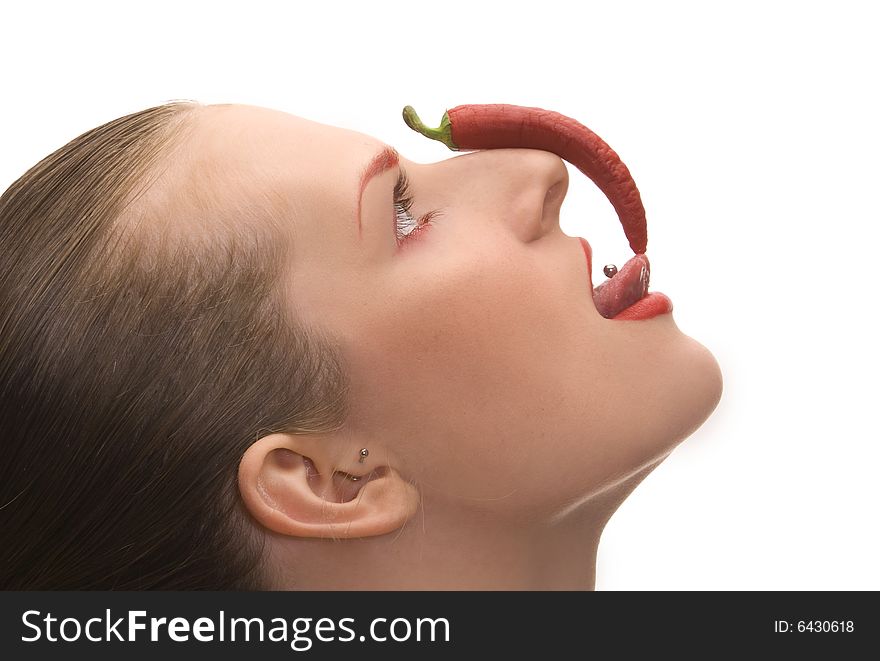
(499, 125)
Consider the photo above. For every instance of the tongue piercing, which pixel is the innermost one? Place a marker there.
(610, 270)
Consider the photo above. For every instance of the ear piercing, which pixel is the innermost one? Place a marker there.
(364, 453)
(610, 270)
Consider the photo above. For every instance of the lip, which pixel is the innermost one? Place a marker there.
(652, 305)
(588, 253)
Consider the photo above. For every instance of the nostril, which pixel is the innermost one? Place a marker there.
(559, 187)
(553, 204)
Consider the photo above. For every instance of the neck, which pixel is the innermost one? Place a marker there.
(447, 549)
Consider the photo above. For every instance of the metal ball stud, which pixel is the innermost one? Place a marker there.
(610, 270)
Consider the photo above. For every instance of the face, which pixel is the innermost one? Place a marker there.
(476, 355)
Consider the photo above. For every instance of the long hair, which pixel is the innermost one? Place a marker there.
(137, 365)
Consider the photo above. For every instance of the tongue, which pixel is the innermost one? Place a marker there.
(628, 285)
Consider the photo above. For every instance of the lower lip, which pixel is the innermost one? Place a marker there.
(651, 305)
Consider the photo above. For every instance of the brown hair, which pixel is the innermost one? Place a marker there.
(136, 367)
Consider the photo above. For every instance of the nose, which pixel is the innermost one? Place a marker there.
(557, 176)
(531, 187)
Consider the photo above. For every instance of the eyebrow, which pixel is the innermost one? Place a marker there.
(384, 160)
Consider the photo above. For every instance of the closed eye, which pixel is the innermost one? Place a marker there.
(405, 224)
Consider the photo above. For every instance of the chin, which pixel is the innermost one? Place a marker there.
(704, 386)
(688, 389)
(675, 395)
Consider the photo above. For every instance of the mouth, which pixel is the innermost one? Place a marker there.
(625, 295)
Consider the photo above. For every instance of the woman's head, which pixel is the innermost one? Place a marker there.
(142, 349)
(251, 305)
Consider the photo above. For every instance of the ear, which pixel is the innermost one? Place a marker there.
(298, 485)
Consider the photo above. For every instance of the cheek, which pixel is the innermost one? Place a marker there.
(460, 327)
(472, 370)
(468, 322)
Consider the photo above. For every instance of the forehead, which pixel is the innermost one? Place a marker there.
(303, 171)
(251, 140)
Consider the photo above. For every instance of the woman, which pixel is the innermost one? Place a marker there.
(224, 366)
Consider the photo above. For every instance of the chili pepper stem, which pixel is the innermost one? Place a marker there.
(443, 133)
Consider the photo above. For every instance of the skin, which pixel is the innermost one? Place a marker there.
(505, 419)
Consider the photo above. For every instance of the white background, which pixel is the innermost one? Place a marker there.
(752, 132)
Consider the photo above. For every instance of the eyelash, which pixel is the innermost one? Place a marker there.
(403, 201)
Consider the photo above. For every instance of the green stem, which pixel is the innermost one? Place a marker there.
(443, 133)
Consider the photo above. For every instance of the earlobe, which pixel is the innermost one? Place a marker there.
(290, 485)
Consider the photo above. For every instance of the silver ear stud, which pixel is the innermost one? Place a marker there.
(364, 454)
